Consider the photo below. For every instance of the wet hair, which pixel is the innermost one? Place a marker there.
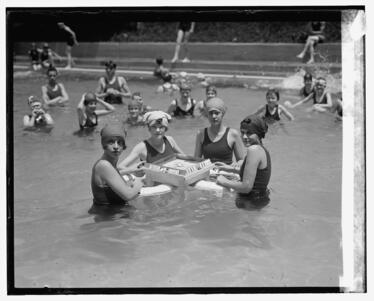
(159, 60)
(51, 68)
(308, 76)
(255, 124)
(184, 86)
(211, 88)
(110, 65)
(273, 91)
(134, 103)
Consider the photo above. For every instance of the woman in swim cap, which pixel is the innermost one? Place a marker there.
(112, 88)
(53, 92)
(88, 113)
(218, 142)
(38, 116)
(255, 171)
(185, 105)
(157, 146)
(308, 85)
(210, 92)
(108, 186)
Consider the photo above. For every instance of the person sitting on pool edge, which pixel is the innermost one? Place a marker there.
(156, 147)
(111, 87)
(53, 92)
(218, 142)
(38, 117)
(108, 186)
(88, 113)
(184, 106)
(255, 171)
(143, 107)
(210, 92)
(273, 110)
(134, 118)
(321, 98)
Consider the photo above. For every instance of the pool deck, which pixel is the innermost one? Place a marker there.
(226, 59)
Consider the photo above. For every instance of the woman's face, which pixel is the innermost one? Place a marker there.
(185, 93)
(320, 86)
(215, 117)
(110, 71)
(249, 138)
(271, 99)
(91, 106)
(134, 111)
(210, 94)
(157, 131)
(114, 147)
(308, 83)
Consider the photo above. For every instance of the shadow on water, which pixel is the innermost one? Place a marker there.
(253, 201)
(103, 213)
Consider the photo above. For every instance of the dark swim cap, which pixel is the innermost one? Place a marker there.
(89, 97)
(255, 124)
(308, 76)
(112, 131)
(110, 65)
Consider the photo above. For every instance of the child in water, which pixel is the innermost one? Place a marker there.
(137, 96)
(273, 110)
(308, 85)
(88, 113)
(200, 108)
(135, 117)
(321, 98)
(38, 117)
(185, 105)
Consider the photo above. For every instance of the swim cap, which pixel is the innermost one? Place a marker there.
(32, 99)
(89, 97)
(157, 117)
(321, 82)
(255, 124)
(112, 131)
(308, 76)
(215, 103)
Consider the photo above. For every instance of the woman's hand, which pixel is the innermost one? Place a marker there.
(221, 180)
(223, 166)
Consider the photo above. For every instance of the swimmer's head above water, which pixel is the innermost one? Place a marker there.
(112, 132)
(253, 129)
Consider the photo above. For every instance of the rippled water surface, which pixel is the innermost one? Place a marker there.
(187, 237)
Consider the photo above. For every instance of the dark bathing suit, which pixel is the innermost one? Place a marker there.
(104, 195)
(178, 112)
(269, 117)
(217, 151)
(154, 155)
(112, 99)
(185, 26)
(52, 94)
(323, 101)
(89, 124)
(304, 93)
(259, 190)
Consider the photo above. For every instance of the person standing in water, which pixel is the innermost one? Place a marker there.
(184, 31)
(185, 105)
(88, 113)
(218, 142)
(38, 117)
(108, 186)
(255, 171)
(71, 40)
(210, 92)
(111, 87)
(273, 110)
(54, 93)
(156, 147)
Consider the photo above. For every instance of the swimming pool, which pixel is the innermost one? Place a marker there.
(187, 238)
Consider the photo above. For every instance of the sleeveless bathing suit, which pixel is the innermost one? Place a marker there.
(34, 55)
(217, 151)
(154, 155)
(179, 112)
(262, 178)
(268, 116)
(323, 100)
(104, 195)
(113, 99)
(52, 93)
(304, 93)
(89, 123)
(39, 122)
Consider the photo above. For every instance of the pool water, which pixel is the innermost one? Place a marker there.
(187, 238)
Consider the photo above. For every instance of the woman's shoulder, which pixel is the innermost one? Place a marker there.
(234, 132)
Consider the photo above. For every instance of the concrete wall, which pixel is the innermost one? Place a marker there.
(240, 52)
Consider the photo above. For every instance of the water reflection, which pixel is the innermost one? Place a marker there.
(104, 213)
